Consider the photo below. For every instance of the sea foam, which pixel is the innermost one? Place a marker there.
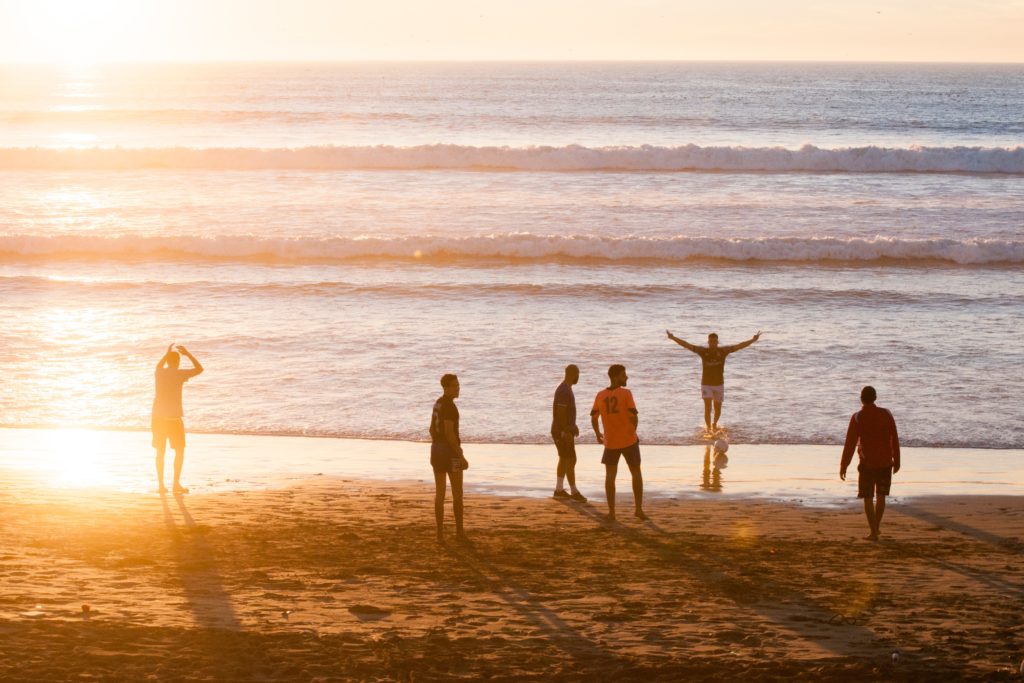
(571, 158)
(514, 246)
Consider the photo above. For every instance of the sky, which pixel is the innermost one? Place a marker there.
(71, 31)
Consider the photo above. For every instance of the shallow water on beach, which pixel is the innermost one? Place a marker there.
(868, 218)
(47, 462)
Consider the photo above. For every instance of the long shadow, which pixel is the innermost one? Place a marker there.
(563, 636)
(712, 570)
(1008, 544)
(202, 585)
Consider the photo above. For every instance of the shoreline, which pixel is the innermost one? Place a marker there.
(329, 580)
(64, 459)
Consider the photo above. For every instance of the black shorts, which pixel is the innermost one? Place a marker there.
(168, 429)
(630, 453)
(566, 449)
(442, 459)
(873, 479)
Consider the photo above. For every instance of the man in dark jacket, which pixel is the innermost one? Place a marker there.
(872, 432)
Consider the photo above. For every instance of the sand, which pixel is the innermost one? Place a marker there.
(343, 580)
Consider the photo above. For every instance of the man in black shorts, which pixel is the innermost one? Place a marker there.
(712, 377)
(446, 456)
(872, 432)
(564, 432)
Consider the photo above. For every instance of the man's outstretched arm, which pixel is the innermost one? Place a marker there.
(163, 359)
(743, 345)
(685, 344)
(197, 367)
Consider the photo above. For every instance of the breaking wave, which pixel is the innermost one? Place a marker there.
(572, 158)
(518, 246)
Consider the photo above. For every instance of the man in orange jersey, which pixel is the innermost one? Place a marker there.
(617, 411)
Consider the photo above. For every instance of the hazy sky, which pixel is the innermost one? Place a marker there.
(186, 30)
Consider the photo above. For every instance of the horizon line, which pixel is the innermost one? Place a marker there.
(341, 61)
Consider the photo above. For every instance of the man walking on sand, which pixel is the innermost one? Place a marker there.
(618, 413)
(446, 456)
(712, 378)
(872, 432)
(168, 423)
(564, 432)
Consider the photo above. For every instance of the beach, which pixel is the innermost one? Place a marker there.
(317, 560)
(331, 579)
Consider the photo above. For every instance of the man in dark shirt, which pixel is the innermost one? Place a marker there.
(712, 378)
(446, 456)
(872, 432)
(564, 432)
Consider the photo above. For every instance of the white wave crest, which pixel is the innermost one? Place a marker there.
(808, 158)
(515, 246)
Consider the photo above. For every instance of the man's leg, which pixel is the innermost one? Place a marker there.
(179, 460)
(869, 512)
(570, 474)
(718, 413)
(879, 511)
(456, 479)
(160, 450)
(439, 482)
(560, 473)
(638, 489)
(610, 470)
(707, 413)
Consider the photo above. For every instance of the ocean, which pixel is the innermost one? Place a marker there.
(330, 239)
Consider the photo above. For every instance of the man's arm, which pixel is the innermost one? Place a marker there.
(743, 345)
(685, 344)
(895, 446)
(634, 417)
(163, 360)
(197, 367)
(852, 437)
(561, 419)
(597, 428)
(452, 437)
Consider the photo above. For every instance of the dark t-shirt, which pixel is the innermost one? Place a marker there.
(444, 409)
(713, 361)
(563, 397)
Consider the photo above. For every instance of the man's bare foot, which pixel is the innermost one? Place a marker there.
(873, 536)
(461, 537)
(610, 517)
(639, 514)
(162, 490)
(179, 489)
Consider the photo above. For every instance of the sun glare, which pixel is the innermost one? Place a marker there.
(74, 458)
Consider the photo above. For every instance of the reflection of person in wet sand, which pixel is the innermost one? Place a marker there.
(168, 422)
(711, 479)
(446, 456)
(616, 409)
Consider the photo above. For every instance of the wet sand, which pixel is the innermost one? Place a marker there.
(344, 580)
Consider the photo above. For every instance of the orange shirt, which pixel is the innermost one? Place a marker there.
(616, 408)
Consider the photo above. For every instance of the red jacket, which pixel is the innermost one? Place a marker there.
(875, 430)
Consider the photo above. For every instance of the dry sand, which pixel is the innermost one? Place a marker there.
(343, 580)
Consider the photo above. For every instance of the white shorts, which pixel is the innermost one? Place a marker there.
(716, 392)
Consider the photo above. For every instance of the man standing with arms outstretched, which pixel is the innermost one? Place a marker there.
(168, 423)
(564, 432)
(446, 456)
(712, 377)
(872, 432)
(617, 411)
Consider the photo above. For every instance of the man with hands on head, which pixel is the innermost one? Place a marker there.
(168, 423)
(712, 378)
